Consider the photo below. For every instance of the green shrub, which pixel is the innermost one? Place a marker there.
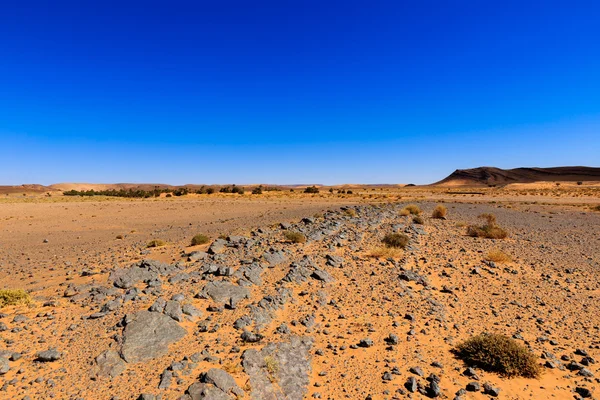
(294, 237)
(199, 239)
(311, 189)
(156, 243)
(13, 297)
(489, 230)
(398, 240)
(257, 190)
(498, 353)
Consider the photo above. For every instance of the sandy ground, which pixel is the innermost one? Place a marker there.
(547, 294)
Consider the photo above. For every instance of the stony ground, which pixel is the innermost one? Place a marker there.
(251, 315)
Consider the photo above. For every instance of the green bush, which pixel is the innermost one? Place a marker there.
(199, 239)
(311, 189)
(257, 190)
(498, 353)
(398, 240)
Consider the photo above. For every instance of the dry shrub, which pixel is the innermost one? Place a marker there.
(411, 209)
(294, 237)
(156, 243)
(13, 297)
(498, 256)
(489, 230)
(418, 220)
(350, 212)
(597, 208)
(498, 353)
(439, 211)
(386, 252)
(397, 240)
(404, 212)
(199, 239)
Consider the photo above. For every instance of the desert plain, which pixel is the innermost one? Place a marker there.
(329, 312)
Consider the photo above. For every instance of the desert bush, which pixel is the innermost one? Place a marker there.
(120, 237)
(156, 243)
(410, 209)
(257, 190)
(498, 256)
(237, 189)
(498, 353)
(489, 230)
(350, 212)
(418, 220)
(199, 239)
(397, 240)
(404, 212)
(311, 189)
(348, 191)
(439, 211)
(597, 208)
(294, 237)
(13, 297)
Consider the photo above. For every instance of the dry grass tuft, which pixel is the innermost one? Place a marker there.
(386, 252)
(497, 256)
(499, 353)
(439, 211)
(156, 243)
(418, 220)
(294, 237)
(396, 240)
(200, 239)
(350, 212)
(411, 209)
(13, 297)
(489, 230)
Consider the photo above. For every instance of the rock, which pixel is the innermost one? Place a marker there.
(158, 305)
(147, 335)
(490, 390)
(334, 261)
(411, 384)
(108, 364)
(321, 275)
(473, 387)
(217, 247)
(173, 310)
(48, 355)
(225, 292)
(274, 258)
(392, 339)
(583, 392)
(222, 380)
(197, 255)
(190, 310)
(4, 366)
(165, 379)
(251, 337)
(280, 371)
(365, 343)
(202, 391)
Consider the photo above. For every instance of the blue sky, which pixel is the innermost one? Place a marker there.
(294, 91)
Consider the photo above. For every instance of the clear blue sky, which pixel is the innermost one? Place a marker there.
(294, 91)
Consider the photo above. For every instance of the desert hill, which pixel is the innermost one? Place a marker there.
(484, 176)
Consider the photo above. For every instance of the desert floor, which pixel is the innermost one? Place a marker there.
(278, 320)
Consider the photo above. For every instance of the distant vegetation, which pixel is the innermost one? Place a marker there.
(489, 230)
(311, 189)
(499, 353)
